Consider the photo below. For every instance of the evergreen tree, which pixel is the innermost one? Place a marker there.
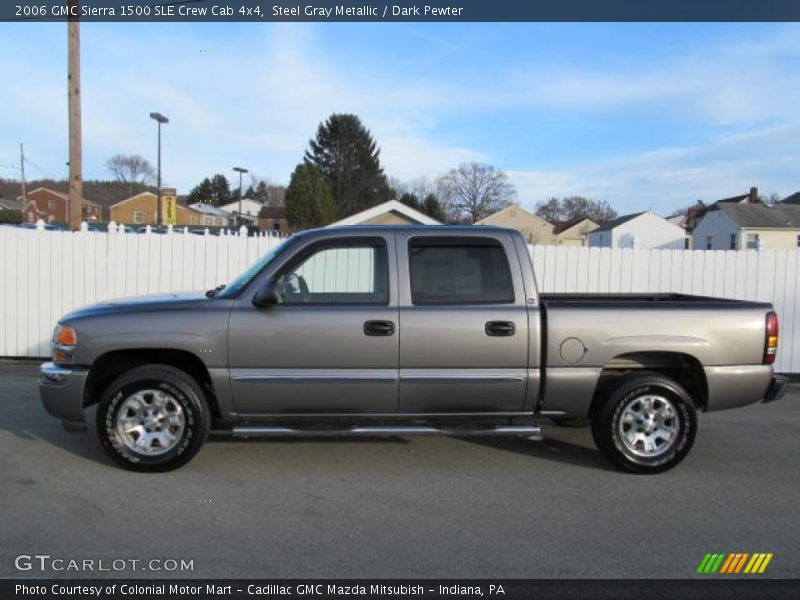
(309, 202)
(348, 159)
(220, 190)
(411, 200)
(202, 192)
(261, 193)
(214, 191)
(433, 208)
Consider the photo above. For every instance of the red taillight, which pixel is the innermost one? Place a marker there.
(771, 339)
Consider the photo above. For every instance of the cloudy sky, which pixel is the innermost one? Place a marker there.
(641, 115)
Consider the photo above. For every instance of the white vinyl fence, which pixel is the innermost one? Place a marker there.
(45, 274)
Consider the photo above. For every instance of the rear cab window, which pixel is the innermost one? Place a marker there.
(459, 270)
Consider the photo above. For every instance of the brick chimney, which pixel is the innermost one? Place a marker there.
(753, 196)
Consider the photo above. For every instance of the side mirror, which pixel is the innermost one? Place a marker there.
(266, 294)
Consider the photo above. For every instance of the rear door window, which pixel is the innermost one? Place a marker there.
(459, 271)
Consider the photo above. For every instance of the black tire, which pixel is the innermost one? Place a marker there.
(627, 398)
(184, 397)
(570, 422)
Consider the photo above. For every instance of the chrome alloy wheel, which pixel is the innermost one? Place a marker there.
(150, 422)
(649, 426)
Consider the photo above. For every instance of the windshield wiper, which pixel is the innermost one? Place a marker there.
(215, 291)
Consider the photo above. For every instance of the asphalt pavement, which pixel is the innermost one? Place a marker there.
(399, 507)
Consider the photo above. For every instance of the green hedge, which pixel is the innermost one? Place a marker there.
(10, 216)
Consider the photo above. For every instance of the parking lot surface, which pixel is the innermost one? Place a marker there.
(401, 507)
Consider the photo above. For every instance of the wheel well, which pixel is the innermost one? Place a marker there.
(112, 364)
(682, 368)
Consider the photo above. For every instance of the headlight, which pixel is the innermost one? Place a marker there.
(64, 341)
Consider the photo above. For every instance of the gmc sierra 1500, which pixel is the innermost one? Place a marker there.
(396, 330)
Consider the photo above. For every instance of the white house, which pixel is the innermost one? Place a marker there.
(250, 208)
(728, 226)
(638, 230)
(211, 215)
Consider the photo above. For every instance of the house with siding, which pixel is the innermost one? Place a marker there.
(392, 212)
(533, 228)
(273, 218)
(139, 209)
(734, 226)
(574, 232)
(249, 207)
(51, 207)
(142, 209)
(209, 215)
(638, 230)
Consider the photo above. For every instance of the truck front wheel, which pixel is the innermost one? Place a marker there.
(153, 418)
(646, 425)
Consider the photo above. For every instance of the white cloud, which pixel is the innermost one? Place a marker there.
(669, 178)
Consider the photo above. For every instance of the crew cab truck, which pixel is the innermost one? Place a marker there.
(398, 330)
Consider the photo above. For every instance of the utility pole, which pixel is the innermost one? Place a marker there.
(74, 84)
(22, 175)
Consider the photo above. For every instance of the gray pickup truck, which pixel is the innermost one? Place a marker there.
(398, 330)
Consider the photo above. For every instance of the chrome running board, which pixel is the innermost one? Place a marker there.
(528, 431)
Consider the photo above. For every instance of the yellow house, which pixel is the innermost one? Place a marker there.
(574, 232)
(187, 216)
(142, 209)
(534, 229)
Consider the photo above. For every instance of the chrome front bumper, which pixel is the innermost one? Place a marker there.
(61, 389)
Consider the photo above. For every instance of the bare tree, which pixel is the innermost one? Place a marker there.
(770, 200)
(473, 191)
(572, 207)
(131, 169)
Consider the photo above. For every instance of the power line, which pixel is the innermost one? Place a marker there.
(38, 168)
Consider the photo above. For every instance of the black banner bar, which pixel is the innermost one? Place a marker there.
(733, 588)
(402, 10)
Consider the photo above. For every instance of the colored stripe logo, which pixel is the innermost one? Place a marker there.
(734, 563)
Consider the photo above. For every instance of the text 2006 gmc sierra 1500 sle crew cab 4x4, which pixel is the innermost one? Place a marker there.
(396, 330)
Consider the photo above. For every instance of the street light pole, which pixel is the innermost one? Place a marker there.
(240, 170)
(160, 119)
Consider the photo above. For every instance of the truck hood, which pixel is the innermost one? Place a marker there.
(176, 301)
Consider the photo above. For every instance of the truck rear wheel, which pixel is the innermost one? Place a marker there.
(153, 418)
(646, 425)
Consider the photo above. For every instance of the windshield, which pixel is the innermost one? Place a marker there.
(235, 286)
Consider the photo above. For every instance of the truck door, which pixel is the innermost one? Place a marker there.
(330, 344)
(463, 323)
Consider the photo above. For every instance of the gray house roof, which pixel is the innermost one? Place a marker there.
(793, 199)
(607, 225)
(757, 215)
(209, 209)
(9, 204)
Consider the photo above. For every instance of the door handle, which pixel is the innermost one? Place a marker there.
(500, 328)
(378, 328)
